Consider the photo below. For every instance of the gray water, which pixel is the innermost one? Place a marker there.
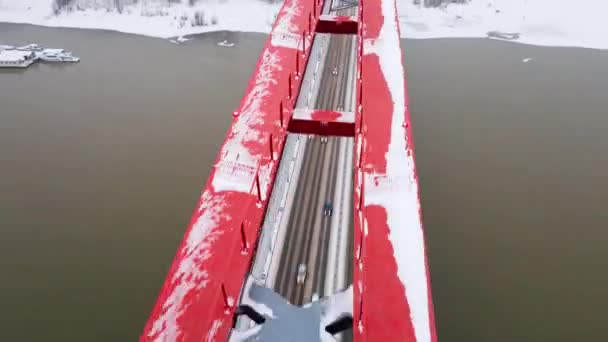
(513, 165)
(101, 164)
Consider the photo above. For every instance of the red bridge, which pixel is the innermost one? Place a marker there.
(309, 226)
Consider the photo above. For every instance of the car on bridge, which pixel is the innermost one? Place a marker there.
(327, 209)
(301, 274)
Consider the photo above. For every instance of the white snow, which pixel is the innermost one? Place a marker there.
(403, 215)
(333, 308)
(261, 308)
(14, 55)
(231, 175)
(217, 324)
(540, 22)
(288, 40)
(244, 335)
(286, 23)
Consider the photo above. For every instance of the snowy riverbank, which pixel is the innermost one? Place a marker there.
(155, 18)
(540, 22)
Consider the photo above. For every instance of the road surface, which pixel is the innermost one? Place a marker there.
(308, 230)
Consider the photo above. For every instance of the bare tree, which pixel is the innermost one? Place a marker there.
(199, 19)
(118, 5)
(58, 5)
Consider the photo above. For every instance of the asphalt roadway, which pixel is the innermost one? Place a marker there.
(308, 229)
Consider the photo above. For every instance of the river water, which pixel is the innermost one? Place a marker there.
(101, 164)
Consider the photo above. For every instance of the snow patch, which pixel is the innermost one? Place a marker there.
(246, 335)
(231, 175)
(15, 55)
(230, 301)
(244, 132)
(286, 22)
(265, 180)
(217, 324)
(286, 39)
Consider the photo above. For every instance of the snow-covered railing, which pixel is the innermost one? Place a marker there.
(392, 296)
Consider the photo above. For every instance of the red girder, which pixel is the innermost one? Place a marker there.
(337, 24)
(197, 300)
(322, 122)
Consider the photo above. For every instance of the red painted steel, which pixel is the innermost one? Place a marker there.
(198, 297)
(330, 116)
(386, 306)
(332, 128)
(337, 24)
(323, 122)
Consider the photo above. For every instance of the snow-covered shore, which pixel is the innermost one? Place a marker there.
(540, 22)
(155, 18)
(578, 23)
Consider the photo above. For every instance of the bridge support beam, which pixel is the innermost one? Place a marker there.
(322, 122)
(337, 24)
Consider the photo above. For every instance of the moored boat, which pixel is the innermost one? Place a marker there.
(16, 58)
(57, 55)
(30, 47)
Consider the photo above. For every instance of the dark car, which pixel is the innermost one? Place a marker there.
(327, 209)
